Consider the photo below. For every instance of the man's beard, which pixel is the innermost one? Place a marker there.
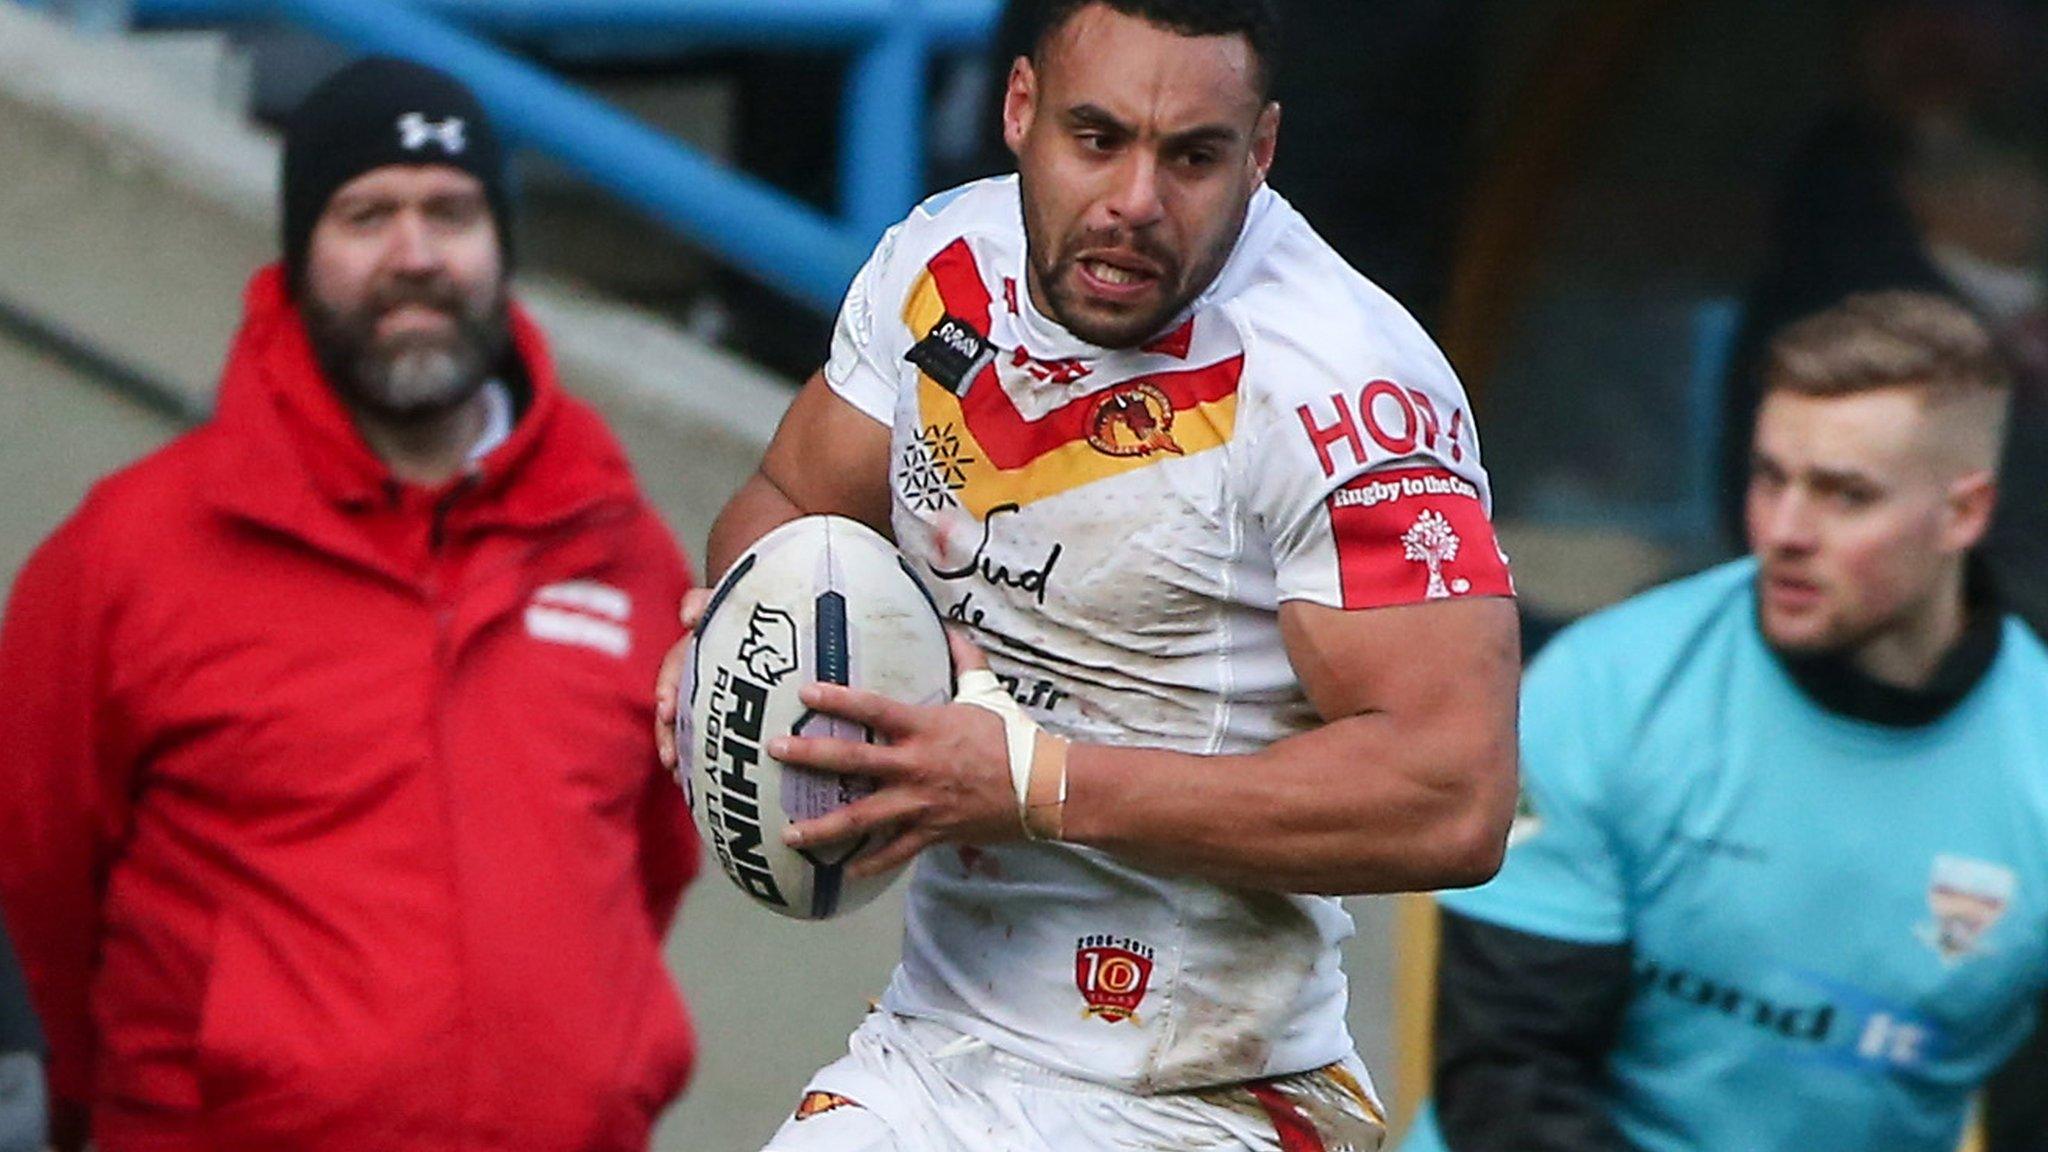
(412, 375)
(1055, 272)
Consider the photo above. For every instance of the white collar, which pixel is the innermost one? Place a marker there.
(497, 420)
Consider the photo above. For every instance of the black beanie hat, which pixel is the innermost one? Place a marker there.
(377, 111)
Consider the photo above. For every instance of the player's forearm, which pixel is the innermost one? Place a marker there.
(1359, 805)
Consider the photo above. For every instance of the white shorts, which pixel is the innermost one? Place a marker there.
(910, 1085)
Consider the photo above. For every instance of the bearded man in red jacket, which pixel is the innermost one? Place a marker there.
(332, 816)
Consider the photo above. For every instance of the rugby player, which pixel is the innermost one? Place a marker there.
(1213, 505)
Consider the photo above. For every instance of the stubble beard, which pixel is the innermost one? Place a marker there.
(1063, 301)
(1056, 273)
(1835, 637)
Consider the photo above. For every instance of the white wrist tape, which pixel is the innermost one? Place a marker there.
(979, 687)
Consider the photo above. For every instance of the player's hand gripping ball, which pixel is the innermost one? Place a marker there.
(823, 599)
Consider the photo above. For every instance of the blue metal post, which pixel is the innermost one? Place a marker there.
(1716, 324)
(771, 233)
(745, 221)
(881, 148)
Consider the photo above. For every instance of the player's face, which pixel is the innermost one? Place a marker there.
(1855, 518)
(1139, 150)
(405, 295)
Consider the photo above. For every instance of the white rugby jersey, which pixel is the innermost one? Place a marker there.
(1119, 528)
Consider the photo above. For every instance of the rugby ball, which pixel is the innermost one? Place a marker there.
(821, 598)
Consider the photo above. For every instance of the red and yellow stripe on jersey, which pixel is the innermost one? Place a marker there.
(1128, 426)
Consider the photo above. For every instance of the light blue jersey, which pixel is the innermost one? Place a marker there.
(1838, 928)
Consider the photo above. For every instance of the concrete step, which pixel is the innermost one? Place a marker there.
(209, 66)
(60, 430)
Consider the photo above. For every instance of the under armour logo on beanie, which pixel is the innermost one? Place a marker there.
(415, 132)
(378, 111)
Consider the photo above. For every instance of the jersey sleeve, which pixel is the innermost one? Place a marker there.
(1562, 877)
(868, 338)
(1363, 472)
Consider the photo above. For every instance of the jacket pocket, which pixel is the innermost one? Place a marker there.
(658, 1058)
(228, 1051)
(260, 1046)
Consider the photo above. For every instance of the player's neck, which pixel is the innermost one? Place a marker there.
(427, 450)
(1908, 655)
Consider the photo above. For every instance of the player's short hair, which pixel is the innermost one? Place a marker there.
(1258, 21)
(1896, 339)
(1918, 341)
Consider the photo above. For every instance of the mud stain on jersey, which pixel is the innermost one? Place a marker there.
(1225, 1022)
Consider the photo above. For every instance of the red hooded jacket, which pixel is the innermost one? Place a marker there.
(332, 818)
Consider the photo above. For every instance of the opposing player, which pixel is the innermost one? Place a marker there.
(1782, 883)
(1214, 506)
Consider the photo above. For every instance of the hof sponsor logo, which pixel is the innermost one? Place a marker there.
(1113, 973)
(1967, 898)
(1397, 420)
(1132, 420)
(731, 756)
(769, 648)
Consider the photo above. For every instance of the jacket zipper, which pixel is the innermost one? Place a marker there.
(437, 531)
(440, 596)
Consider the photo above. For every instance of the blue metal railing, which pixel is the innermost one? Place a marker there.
(762, 23)
(769, 234)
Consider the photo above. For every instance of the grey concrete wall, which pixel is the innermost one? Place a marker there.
(59, 432)
(132, 212)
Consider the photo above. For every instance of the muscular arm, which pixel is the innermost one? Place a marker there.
(1409, 785)
(826, 457)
